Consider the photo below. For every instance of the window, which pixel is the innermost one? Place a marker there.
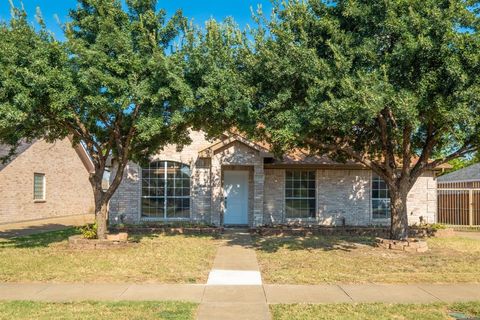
(38, 186)
(166, 190)
(380, 198)
(299, 194)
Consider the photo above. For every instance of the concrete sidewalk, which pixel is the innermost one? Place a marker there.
(228, 295)
(234, 288)
(26, 228)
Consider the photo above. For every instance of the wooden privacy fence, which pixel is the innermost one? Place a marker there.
(459, 203)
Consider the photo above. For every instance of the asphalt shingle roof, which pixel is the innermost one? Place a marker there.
(470, 173)
(5, 149)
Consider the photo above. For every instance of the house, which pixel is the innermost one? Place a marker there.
(234, 181)
(44, 180)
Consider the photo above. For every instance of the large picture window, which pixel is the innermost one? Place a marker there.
(300, 194)
(166, 190)
(380, 198)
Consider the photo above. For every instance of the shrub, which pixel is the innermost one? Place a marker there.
(437, 226)
(89, 231)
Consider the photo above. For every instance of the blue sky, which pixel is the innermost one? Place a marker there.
(198, 10)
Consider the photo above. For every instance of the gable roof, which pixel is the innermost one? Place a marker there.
(230, 138)
(24, 146)
(294, 157)
(470, 173)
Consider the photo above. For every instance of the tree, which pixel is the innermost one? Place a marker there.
(115, 85)
(392, 85)
(463, 162)
(214, 72)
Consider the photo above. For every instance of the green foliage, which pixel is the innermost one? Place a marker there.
(437, 226)
(463, 162)
(378, 82)
(89, 231)
(116, 85)
(331, 76)
(31, 75)
(392, 85)
(215, 71)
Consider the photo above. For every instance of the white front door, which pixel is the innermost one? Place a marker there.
(235, 186)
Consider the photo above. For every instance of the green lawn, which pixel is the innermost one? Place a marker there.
(97, 310)
(315, 260)
(154, 258)
(375, 311)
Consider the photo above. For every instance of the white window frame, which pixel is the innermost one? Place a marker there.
(285, 198)
(377, 219)
(165, 218)
(44, 187)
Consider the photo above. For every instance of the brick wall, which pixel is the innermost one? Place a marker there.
(341, 194)
(422, 199)
(274, 204)
(346, 194)
(238, 155)
(126, 202)
(68, 191)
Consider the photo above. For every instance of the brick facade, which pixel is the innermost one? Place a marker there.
(342, 195)
(68, 191)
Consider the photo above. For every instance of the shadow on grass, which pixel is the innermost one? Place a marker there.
(31, 230)
(272, 244)
(43, 239)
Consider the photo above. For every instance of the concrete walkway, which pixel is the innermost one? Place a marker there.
(43, 225)
(241, 296)
(234, 288)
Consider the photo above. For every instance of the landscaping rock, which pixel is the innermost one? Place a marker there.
(123, 236)
(409, 245)
(78, 242)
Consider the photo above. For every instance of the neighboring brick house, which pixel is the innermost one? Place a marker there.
(234, 181)
(44, 180)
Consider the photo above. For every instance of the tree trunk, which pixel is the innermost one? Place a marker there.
(399, 220)
(101, 210)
